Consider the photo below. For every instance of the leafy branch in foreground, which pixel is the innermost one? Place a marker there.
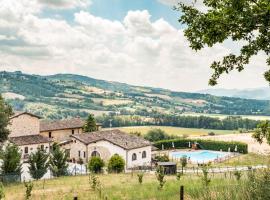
(238, 20)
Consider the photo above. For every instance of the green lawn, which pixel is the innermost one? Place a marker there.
(176, 130)
(246, 160)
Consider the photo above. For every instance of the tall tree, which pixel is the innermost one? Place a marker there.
(5, 114)
(262, 131)
(58, 161)
(90, 124)
(11, 160)
(239, 20)
(38, 164)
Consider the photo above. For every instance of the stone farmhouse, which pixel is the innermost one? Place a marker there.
(30, 133)
(25, 133)
(60, 130)
(134, 150)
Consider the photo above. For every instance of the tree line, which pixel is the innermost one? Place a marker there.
(228, 123)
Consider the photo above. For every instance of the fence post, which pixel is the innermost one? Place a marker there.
(181, 192)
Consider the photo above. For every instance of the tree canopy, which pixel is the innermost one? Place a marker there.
(239, 20)
(58, 161)
(38, 164)
(262, 131)
(5, 114)
(90, 124)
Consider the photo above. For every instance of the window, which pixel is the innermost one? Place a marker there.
(79, 153)
(84, 154)
(134, 156)
(144, 154)
(50, 134)
(26, 150)
(95, 154)
(72, 132)
(42, 147)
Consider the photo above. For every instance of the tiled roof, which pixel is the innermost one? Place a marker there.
(117, 137)
(61, 124)
(29, 139)
(17, 114)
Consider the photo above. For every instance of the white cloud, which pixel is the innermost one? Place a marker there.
(65, 4)
(197, 3)
(136, 50)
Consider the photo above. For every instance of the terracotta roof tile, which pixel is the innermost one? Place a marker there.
(61, 124)
(29, 139)
(114, 136)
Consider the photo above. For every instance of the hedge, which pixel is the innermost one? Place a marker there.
(205, 144)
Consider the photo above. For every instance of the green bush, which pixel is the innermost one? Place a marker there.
(162, 158)
(116, 164)
(204, 144)
(95, 164)
(156, 135)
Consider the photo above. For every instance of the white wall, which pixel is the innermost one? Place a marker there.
(107, 149)
(139, 161)
(32, 148)
(24, 125)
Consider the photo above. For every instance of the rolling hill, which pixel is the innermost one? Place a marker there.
(65, 95)
(256, 93)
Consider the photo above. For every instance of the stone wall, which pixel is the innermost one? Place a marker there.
(24, 125)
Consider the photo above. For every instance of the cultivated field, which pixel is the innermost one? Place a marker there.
(221, 116)
(176, 130)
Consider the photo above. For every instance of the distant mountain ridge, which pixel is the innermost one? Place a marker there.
(256, 93)
(65, 95)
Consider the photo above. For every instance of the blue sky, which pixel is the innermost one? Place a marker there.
(139, 42)
(117, 9)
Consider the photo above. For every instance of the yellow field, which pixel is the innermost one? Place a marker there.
(220, 116)
(176, 130)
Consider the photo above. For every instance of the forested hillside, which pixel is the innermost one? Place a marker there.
(66, 95)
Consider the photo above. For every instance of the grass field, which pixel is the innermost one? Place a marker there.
(250, 159)
(125, 187)
(176, 130)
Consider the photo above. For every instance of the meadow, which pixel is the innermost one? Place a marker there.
(177, 131)
(126, 187)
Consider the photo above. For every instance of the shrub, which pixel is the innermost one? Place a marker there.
(95, 164)
(140, 177)
(211, 134)
(160, 177)
(257, 186)
(183, 161)
(156, 135)
(162, 158)
(116, 164)
(237, 175)
(205, 180)
(204, 144)
(29, 188)
(2, 191)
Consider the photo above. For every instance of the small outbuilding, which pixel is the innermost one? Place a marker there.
(169, 167)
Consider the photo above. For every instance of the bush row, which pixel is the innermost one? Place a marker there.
(204, 144)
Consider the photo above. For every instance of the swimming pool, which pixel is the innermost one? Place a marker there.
(204, 156)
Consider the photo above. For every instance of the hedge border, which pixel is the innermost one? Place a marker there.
(205, 144)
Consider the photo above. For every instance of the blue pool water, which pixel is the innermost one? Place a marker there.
(199, 156)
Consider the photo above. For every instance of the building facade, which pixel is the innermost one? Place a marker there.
(24, 132)
(61, 130)
(134, 150)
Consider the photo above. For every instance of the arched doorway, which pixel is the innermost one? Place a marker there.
(95, 154)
